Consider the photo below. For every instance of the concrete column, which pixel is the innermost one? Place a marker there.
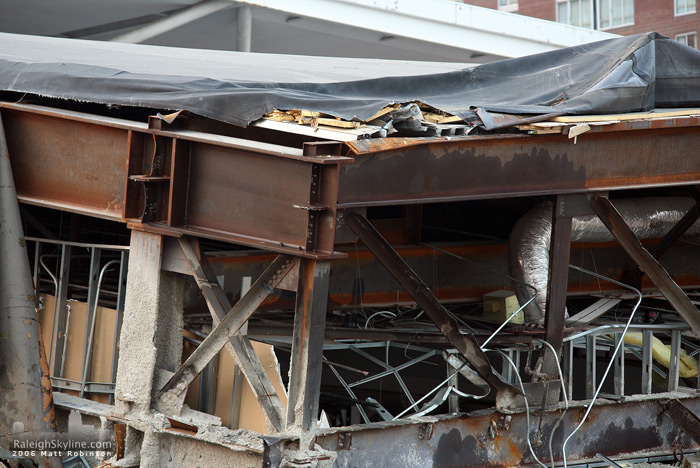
(150, 345)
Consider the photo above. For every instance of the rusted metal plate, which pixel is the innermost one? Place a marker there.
(66, 164)
(398, 171)
(684, 418)
(228, 187)
(630, 429)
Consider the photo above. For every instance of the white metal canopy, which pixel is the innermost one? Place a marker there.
(428, 30)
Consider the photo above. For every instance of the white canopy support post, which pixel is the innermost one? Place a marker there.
(181, 18)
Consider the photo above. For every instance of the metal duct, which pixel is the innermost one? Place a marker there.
(528, 255)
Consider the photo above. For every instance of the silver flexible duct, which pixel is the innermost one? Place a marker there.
(528, 256)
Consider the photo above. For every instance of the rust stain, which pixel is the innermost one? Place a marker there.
(516, 454)
(120, 438)
(510, 456)
(475, 426)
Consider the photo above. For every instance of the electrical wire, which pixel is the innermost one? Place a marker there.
(566, 400)
(527, 408)
(385, 313)
(482, 348)
(534, 289)
(483, 236)
(612, 359)
(431, 392)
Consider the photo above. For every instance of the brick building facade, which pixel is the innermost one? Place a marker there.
(677, 19)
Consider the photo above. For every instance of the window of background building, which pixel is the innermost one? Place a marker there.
(684, 7)
(575, 12)
(689, 39)
(615, 13)
(508, 5)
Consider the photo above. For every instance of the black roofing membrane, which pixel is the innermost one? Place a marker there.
(627, 74)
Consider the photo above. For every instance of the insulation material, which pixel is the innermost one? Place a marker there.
(101, 366)
(248, 411)
(627, 74)
(528, 254)
(687, 365)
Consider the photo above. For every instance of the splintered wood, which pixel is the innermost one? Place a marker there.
(429, 115)
(313, 119)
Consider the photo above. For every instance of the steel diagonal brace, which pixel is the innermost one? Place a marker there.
(227, 331)
(684, 418)
(667, 241)
(465, 343)
(613, 220)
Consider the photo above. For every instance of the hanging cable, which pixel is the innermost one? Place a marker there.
(612, 359)
(488, 340)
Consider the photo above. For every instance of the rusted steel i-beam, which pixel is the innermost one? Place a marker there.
(171, 181)
(648, 264)
(684, 418)
(628, 429)
(222, 334)
(411, 282)
(559, 254)
(307, 344)
(426, 170)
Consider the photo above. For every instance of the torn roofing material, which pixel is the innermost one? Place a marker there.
(627, 74)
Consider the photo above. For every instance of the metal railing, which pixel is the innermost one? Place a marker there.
(596, 345)
(101, 260)
(603, 339)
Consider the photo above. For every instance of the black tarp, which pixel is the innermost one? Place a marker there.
(634, 73)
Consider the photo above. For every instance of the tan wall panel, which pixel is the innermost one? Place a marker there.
(101, 367)
(251, 415)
